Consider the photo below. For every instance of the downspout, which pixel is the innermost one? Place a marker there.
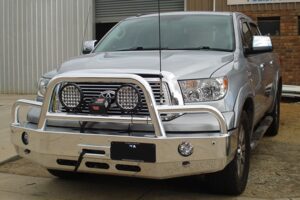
(214, 5)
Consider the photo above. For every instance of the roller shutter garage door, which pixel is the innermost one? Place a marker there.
(108, 11)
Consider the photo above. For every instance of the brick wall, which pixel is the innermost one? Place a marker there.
(287, 45)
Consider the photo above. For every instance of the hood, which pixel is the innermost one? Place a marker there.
(184, 64)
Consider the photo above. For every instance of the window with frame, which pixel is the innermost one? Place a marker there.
(269, 25)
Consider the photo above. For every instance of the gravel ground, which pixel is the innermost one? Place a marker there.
(274, 171)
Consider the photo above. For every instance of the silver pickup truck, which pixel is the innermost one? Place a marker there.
(191, 96)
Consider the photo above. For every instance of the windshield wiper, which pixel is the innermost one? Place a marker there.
(201, 48)
(138, 49)
(166, 48)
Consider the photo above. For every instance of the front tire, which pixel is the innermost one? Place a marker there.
(233, 179)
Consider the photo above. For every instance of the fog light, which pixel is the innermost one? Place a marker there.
(25, 138)
(185, 149)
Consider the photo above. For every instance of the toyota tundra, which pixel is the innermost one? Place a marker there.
(160, 96)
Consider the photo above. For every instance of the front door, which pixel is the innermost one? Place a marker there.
(256, 71)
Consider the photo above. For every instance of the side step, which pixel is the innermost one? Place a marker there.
(260, 131)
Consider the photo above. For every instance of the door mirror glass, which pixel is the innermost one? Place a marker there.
(88, 46)
(261, 44)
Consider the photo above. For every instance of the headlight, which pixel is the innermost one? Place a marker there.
(203, 89)
(42, 87)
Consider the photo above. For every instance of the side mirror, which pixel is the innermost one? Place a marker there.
(261, 44)
(88, 46)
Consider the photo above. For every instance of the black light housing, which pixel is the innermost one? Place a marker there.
(70, 96)
(128, 98)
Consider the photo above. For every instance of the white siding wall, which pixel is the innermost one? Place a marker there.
(108, 11)
(38, 35)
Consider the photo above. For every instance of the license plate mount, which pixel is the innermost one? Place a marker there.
(132, 151)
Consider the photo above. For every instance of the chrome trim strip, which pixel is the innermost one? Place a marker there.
(175, 91)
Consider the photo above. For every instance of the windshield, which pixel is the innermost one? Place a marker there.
(190, 32)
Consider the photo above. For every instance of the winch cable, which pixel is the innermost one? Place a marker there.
(80, 158)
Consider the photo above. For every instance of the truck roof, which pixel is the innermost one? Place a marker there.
(190, 13)
(182, 13)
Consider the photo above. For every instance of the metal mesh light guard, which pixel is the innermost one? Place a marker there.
(70, 96)
(128, 98)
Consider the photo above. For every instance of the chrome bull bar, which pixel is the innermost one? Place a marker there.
(154, 110)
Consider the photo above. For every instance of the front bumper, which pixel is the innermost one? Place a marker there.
(212, 152)
(60, 148)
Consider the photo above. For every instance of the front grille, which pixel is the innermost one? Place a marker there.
(93, 90)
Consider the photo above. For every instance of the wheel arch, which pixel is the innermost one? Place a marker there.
(245, 102)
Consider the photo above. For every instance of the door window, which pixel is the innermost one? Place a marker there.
(254, 29)
(247, 35)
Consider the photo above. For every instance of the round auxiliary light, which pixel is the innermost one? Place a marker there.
(185, 149)
(70, 96)
(128, 98)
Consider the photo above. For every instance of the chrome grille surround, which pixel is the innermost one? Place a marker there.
(93, 90)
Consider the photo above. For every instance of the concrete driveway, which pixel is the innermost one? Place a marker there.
(274, 172)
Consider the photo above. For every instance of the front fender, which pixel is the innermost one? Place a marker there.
(245, 93)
